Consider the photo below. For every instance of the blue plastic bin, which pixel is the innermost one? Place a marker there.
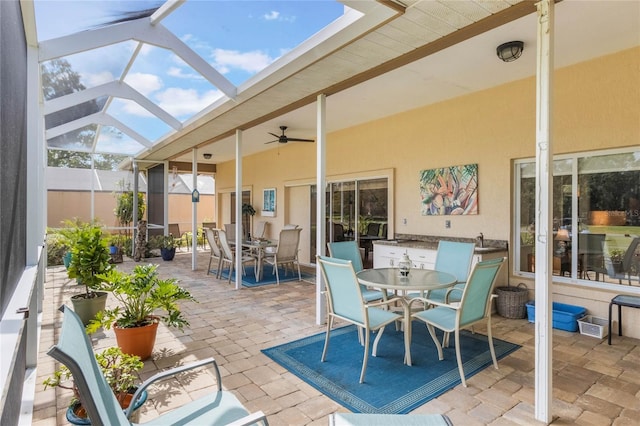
(565, 317)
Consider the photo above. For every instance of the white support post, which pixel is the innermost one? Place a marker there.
(544, 199)
(238, 266)
(93, 193)
(321, 198)
(194, 212)
(134, 214)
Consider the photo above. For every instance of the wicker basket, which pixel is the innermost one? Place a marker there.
(512, 301)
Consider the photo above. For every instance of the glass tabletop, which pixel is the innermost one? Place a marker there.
(418, 279)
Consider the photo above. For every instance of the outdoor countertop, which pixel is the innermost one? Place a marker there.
(433, 245)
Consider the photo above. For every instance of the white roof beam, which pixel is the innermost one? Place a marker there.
(165, 10)
(116, 89)
(139, 30)
(100, 119)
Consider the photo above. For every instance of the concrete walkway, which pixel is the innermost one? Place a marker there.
(594, 384)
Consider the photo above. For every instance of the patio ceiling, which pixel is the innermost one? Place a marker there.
(378, 59)
(435, 50)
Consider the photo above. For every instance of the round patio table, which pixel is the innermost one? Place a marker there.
(417, 280)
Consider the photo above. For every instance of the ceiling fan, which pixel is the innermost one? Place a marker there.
(284, 139)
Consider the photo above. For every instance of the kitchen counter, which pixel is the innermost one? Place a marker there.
(431, 243)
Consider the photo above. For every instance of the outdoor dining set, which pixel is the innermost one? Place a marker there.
(258, 251)
(451, 297)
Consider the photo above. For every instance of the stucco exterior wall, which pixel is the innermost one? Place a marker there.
(596, 106)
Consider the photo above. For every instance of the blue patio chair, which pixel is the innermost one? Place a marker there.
(74, 350)
(455, 258)
(345, 302)
(349, 250)
(367, 419)
(474, 306)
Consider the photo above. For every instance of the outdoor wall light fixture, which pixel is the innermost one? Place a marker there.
(510, 51)
(207, 156)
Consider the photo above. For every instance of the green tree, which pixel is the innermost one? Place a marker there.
(59, 79)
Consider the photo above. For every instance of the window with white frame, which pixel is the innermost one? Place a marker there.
(596, 217)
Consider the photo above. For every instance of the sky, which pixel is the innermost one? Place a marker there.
(238, 38)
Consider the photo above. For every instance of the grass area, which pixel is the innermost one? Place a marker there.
(618, 237)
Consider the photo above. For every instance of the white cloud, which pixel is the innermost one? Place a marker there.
(144, 83)
(180, 102)
(134, 108)
(179, 73)
(252, 62)
(275, 16)
(96, 79)
(117, 145)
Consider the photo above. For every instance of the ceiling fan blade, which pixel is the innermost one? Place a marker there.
(277, 140)
(299, 140)
(274, 135)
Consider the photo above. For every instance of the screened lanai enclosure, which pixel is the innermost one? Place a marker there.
(382, 89)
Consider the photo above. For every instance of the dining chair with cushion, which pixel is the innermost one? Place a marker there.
(286, 252)
(591, 254)
(230, 229)
(212, 239)
(349, 250)
(454, 258)
(345, 302)
(474, 307)
(290, 226)
(174, 231)
(229, 255)
(261, 229)
(206, 225)
(213, 408)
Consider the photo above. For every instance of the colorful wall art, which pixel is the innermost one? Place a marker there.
(449, 190)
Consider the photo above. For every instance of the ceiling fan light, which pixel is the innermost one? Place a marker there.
(510, 51)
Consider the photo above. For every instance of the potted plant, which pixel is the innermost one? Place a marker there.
(89, 259)
(124, 206)
(142, 294)
(115, 248)
(69, 234)
(121, 373)
(168, 247)
(616, 255)
(247, 212)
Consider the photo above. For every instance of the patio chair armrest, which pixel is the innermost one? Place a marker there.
(427, 301)
(170, 373)
(449, 291)
(382, 302)
(251, 419)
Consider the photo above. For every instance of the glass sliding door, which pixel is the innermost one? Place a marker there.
(341, 211)
(356, 210)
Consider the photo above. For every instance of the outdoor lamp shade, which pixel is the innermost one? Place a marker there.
(510, 51)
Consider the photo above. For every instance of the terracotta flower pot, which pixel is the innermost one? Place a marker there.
(137, 340)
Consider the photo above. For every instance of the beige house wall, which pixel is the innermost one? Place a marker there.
(596, 106)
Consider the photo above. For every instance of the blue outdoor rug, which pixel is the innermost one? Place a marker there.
(390, 386)
(268, 276)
